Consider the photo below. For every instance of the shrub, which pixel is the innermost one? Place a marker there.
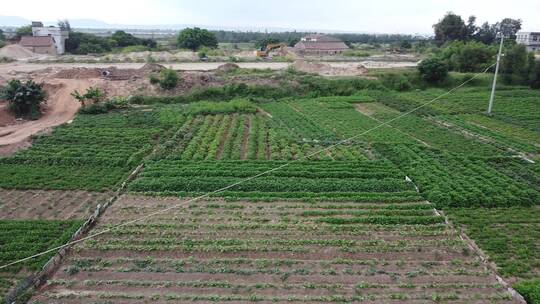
(517, 65)
(25, 99)
(154, 79)
(168, 79)
(97, 108)
(398, 82)
(92, 93)
(433, 70)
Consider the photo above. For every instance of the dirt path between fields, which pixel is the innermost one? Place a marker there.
(60, 108)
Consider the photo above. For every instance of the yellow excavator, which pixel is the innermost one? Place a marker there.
(270, 47)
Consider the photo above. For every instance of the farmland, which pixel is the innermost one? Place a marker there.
(331, 220)
(281, 251)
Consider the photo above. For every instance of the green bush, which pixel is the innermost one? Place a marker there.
(530, 290)
(433, 70)
(97, 108)
(168, 79)
(467, 56)
(398, 82)
(517, 65)
(24, 99)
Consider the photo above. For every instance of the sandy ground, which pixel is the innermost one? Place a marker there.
(11, 68)
(60, 109)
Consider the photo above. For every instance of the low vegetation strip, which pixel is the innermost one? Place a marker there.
(325, 178)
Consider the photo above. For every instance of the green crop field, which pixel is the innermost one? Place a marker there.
(328, 220)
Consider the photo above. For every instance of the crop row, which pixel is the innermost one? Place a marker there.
(253, 137)
(23, 238)
(93, 153)
(458, 181)
(509, 235)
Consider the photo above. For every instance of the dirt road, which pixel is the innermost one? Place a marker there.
(61, 108)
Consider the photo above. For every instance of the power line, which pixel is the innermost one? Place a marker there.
(244, 180)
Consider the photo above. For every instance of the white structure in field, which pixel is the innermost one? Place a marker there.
(58, 35)
(530, 39)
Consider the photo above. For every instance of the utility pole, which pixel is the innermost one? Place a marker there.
(495, 76)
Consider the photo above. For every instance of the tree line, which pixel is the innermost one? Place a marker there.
(287, 37)
(466, 47)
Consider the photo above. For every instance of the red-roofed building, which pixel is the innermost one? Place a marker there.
(320, 45)
(39, 45)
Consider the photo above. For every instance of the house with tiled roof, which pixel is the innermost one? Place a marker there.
(48, 40)
(39, 45)
(320, 45)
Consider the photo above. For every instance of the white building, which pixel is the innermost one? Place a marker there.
(58, 35)
(530, 39)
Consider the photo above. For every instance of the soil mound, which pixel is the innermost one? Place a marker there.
(227, 67)
(110, 73)
(16, 51)
(78, 73)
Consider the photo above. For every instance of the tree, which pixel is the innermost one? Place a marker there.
(2, 37)
(124, 39)
(194, 38)
(450, 27)
(509, 27)
(469, 56)
(23, 31)
(471, 27)
(433, 70)
(535, 76)
(64, 25)
(486, 33)
(514, 66)
(24, 99)
(292, 41)
(405, 44)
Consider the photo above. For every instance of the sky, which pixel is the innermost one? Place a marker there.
(379, 16)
